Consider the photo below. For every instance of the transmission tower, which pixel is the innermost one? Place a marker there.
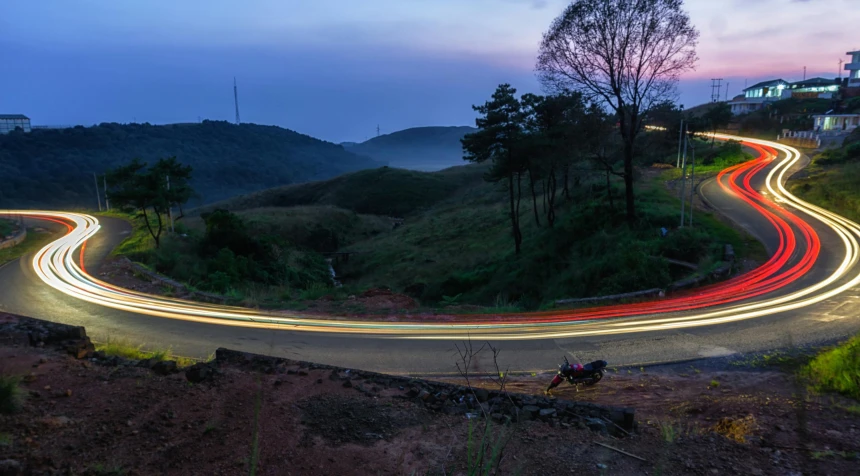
(377, 130)
(236, 99)
(716, 85)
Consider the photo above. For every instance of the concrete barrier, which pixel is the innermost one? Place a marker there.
(16, 239)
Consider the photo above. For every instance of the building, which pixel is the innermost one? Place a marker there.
(814, 88)
(757, 95)
(836, 122)
(10, 122)
(853, 69)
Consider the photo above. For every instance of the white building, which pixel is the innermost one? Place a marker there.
(814, 88)
(10, 122)
(836, 122)
(755, 96)
(853, 69)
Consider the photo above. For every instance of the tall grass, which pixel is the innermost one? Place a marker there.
(837, 369)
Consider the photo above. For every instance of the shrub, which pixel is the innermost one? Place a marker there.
(11, 396)
(837, 369)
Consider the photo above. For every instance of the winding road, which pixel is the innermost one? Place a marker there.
(807, 292)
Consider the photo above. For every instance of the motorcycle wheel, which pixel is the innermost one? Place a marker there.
(596, 378)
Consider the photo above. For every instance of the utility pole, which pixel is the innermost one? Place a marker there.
(680, 143)
(169, 206)
(727, 91)
(804, 73)
(683, 180)
(107, 203)
(98, 196)
(236, 100)
(715, 89)
(692, 183)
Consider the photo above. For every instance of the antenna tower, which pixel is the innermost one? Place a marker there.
(377, 130)
(716, 85)
(236, 99)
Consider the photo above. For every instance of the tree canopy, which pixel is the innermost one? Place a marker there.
(626, 54)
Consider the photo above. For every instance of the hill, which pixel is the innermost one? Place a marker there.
(384, 191)
(54, 167)
(419, 148)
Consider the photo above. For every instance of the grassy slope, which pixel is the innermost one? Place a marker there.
(33, 242)
(383, 191)
(463, 246)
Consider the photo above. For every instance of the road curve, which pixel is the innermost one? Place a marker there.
(806, 292)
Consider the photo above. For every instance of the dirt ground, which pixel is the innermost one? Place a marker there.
(80, 417)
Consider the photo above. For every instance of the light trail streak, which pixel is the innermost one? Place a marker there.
(55, 264)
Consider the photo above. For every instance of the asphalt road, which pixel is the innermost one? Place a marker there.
(22, 292)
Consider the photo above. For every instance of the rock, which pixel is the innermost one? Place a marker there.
(833, 433)
(199, 372)
(319, 380)
(595, 424)
(145, 363)
(165, 367)
(55, 422)
(302, 372)
(481, 394)
(291, 372)
(10, 467)
(347, 383)
(529, 412)
(546, 413)
(413, 392)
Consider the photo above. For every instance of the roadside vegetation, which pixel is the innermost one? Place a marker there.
(126, 349)
(36, 239)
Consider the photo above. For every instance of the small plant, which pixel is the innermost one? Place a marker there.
(5, 439)
(451, 300)
(668, 432)
(101, 469)
(11, 396)
(314, 292)
(715, 384)
(736, 429)
(211, 426)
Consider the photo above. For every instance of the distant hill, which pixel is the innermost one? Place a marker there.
(384, 191)
(54, 167)
(420, 148)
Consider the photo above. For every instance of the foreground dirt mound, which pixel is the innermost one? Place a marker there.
(339, 419)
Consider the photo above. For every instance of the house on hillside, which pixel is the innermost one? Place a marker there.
(814, 88)
(853, 69)
(757, 95)
(835, 122)
(10, 122)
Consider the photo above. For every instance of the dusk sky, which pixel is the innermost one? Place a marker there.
(335, 69)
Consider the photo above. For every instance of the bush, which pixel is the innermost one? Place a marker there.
(838, 369)
(11, 396)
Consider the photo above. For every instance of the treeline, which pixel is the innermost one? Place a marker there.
(541, 146)
(54, 167)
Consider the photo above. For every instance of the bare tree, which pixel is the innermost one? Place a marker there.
(627, 54)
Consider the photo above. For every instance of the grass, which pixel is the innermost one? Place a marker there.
(34, 241)
(6, 227)
(255, 442)
(462, 246)
(837, 369)
(668, 431)
(715, 384)
(125, 348)
(138, 242)
(11, 395)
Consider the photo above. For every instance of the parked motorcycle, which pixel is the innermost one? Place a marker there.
(576, 374)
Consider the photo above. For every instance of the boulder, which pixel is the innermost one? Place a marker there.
(10, 467)
(199, 372)
(165, 367)
(547, 413)
(481, 394)
(529, 412)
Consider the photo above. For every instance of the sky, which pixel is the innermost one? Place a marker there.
(337, 69)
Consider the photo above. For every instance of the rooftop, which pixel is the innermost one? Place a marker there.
(13, 116)
(764, 84)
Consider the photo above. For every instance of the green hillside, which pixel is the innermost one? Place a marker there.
(54, 167)
(419, 148)
(384, 191)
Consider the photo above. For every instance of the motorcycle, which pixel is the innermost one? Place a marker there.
(576, 374)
